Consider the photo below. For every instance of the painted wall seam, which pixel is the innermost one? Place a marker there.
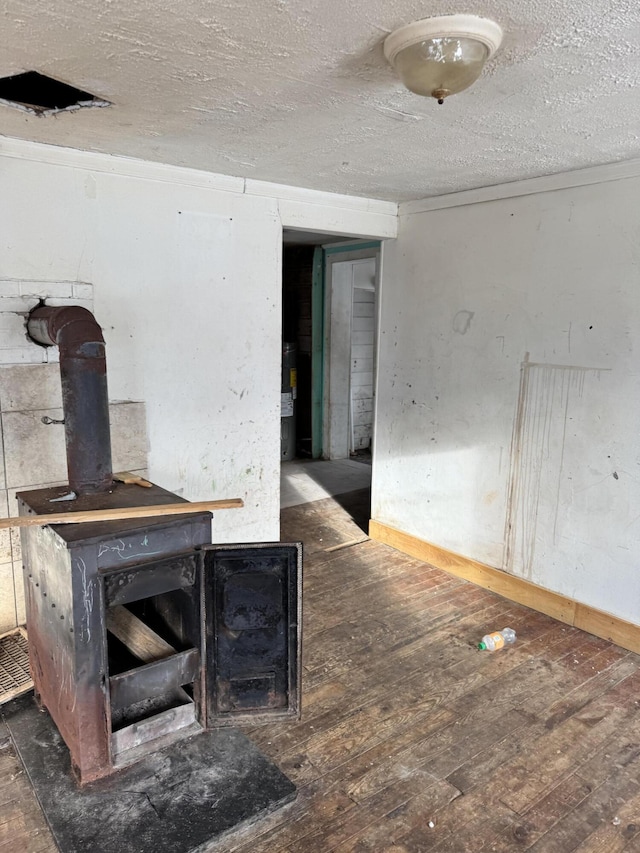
(309, 196)
(124, 167)
(128, 167)
(605, 173)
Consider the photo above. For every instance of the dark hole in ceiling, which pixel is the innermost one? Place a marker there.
(41, 95)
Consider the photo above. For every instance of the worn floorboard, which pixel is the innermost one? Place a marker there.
(23, 828)
(411, 740)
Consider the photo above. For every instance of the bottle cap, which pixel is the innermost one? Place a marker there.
(482, 646)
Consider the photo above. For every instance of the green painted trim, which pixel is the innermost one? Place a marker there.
(355, 247)
(317, 351)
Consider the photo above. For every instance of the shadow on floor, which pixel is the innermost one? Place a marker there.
(358, 506)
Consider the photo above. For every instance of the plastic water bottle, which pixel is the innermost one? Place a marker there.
(498, 639)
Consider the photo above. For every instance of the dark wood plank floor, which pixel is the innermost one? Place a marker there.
(411, 740)
(23, 828)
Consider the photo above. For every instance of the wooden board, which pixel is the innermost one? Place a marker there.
(152, 511)
(129, 477)
(141, 641)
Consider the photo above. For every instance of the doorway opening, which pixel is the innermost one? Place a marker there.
(329, 320)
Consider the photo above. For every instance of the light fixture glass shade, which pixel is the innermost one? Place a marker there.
(442, 56)
(441, 66)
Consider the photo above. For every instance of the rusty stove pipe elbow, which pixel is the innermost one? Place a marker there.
(85, 401)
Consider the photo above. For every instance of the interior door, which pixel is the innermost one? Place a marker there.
(350, 345)
(363, 344)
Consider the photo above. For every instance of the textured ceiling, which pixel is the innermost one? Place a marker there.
(298, 91)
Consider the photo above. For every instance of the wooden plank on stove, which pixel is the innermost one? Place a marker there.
(120, 513)
(139, 638)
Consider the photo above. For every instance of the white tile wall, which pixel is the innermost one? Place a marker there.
(17, 299)
(32, 454)
(38, 461)
(35, 452)
(46, 289)
(5, 535)
(7, 590)
(8, 619)
(128, 436)
(18, 586)
(14, 533)
(12, 582)
(21, 384)
(13, 330)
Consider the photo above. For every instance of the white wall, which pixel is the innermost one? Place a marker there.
(186, 290)
(508, 407)
(186, 275)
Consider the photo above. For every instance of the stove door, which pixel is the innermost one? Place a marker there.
(252, 607)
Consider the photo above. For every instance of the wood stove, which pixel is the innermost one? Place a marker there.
(142, 630)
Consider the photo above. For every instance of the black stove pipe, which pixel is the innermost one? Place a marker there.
(85, 402)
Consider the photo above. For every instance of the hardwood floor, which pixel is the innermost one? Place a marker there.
(411, 740)
(23, 828)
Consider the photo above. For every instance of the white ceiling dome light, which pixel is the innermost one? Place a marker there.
(438, 57)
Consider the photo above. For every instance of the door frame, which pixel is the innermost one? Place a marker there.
(334, 357)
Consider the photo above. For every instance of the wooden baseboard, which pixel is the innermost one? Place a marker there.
(516, 589)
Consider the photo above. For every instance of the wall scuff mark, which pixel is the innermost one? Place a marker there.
(536, 468)
(462, 321)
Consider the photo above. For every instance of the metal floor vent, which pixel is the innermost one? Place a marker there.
(15, 677)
